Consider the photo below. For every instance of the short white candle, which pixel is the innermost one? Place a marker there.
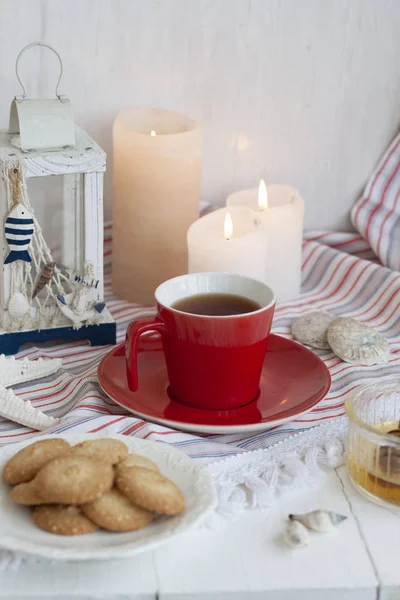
(230, 241)
(280, 208)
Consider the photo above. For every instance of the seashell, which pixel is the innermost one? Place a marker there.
(20, 371)
(319, 520)
(45, 277)
(15, 409)
(296, 535)
(311, 329)
(18, 305)
(356, 343)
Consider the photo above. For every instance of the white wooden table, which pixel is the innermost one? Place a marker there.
(243, 560)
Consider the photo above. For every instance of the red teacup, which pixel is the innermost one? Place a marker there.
(213, 362)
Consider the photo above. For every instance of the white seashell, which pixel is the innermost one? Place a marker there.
(20, 371)
(319, 520)
(311, 329)
(356, 343)
(296, 535)
(15, 409)
(18, 305)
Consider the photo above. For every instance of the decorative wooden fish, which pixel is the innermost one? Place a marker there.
(19, 229)
(45, 277)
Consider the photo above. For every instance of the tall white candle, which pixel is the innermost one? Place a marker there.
(228, 240)
(157, 160)
(280, 208)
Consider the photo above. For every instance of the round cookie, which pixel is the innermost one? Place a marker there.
(62, 520)
(74, 480)
(150, 490)
(26, 463)
(106, 449)
(311, 329)
(135, 460)
(356, 343)
(115, 512)
(26, 494)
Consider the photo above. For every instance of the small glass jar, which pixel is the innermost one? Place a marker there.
(373, 454)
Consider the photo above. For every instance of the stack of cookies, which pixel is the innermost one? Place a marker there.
(95, 484)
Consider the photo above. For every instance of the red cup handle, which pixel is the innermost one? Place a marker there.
(135, 330)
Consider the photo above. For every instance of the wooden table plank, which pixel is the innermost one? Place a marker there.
(204, 564)
(247, 558)
(381, 530)
(132, 579)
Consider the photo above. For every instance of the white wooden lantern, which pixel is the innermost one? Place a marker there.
(51, 201)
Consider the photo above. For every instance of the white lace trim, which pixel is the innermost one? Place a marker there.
(256, 479)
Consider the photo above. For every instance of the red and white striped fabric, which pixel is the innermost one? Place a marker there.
(340, 274)
(376, 215)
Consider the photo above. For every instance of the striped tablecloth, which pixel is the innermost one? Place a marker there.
(340, 274)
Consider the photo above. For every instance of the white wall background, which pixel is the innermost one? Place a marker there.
(305, 92)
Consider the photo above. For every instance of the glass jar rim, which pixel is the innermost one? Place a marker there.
(355, 419)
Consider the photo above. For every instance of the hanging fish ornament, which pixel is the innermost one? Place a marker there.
(19, 229)
(45, 277)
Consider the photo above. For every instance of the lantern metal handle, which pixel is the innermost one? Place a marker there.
(17, 72)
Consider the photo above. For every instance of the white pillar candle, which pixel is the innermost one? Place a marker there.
(230, 241)
(280, 208)
(157, 161)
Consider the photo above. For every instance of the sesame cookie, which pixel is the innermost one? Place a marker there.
(150, 490)
(26, 463)
(62, 520)
(26, 494)
(107, 450)
(74, 480)
(115, 512)
(135, 460)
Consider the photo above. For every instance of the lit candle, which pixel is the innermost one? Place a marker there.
(228, 241)
(157, 161)
(280, 208)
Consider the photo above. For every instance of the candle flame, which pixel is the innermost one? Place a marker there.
(228, 227)
(152, 133)
(262, 195)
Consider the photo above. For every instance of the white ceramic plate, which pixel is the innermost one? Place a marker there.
(18, 532)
